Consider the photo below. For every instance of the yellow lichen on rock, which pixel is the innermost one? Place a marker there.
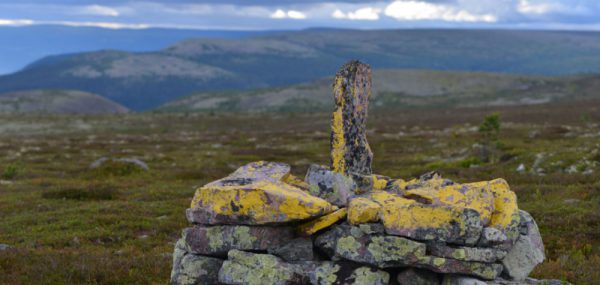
(431, 222)
(260, 202)
(323, 222)
(362, 210)
(506, 211)
(296, 181)
(338, 142)
(476, 196)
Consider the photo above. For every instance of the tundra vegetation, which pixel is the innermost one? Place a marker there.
(67, 223)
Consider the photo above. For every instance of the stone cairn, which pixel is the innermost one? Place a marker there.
(344, 225)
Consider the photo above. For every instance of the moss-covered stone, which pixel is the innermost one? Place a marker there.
(191, 269)
(246, 268)
(218, 240)
(352, 243)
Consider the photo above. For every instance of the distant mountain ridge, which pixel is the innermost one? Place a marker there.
(145, 80)
(57, 102)
(402, 89)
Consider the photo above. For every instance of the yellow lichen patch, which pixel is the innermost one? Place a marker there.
(436, 182)
(296, 181)
(506, 210)
(362, 210)
(419, 216)
(388, 199)
(261, 202)
(338, 143)
(426, 222)
(323, 222)
(476, 196)
(379, 182)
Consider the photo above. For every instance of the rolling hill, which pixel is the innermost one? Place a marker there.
(20, 46)
(142, 81)
(57, 102)
(402, 89)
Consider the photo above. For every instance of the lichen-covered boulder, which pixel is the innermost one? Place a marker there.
(350, 151)
(527, 252)
(334, 187)
(218, 240)
(432, 222)
(255, 195)
(333, 273)
(489, 255)
(474, 196)
(491, 237)
(362, 210)
(191, 269)
(413, 276)
(506, 211)
(246, 268)
(353, 243)
(322, 222)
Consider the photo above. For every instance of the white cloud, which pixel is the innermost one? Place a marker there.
(289, 14)
(530, 8)
(105, 25)
(17, 22)
(526, 7)
(367, 13)
(418, 10)
(99, 10)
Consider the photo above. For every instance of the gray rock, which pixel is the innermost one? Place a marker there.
(352, 243)
(490, 237)
(350, 151)
(218, 240)
(334, 187)
(299, 249)
(466, 253)
(461, 280)
(330, 273)
(384, 251)
(134, 161)
(527, 252)
(246, 268)
(413, 276)
(4, 247)
(190, 269)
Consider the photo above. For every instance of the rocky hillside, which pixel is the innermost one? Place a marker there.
(403, 89)
(143, 81)
(57, 102)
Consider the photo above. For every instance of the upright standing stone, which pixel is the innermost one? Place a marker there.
(350, 151)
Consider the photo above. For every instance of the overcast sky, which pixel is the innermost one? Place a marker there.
(299, 14)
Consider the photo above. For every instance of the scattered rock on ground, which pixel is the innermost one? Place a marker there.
(133, 161)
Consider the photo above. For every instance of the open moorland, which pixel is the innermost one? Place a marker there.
(68, 224)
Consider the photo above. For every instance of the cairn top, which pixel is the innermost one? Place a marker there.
(350, 151)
